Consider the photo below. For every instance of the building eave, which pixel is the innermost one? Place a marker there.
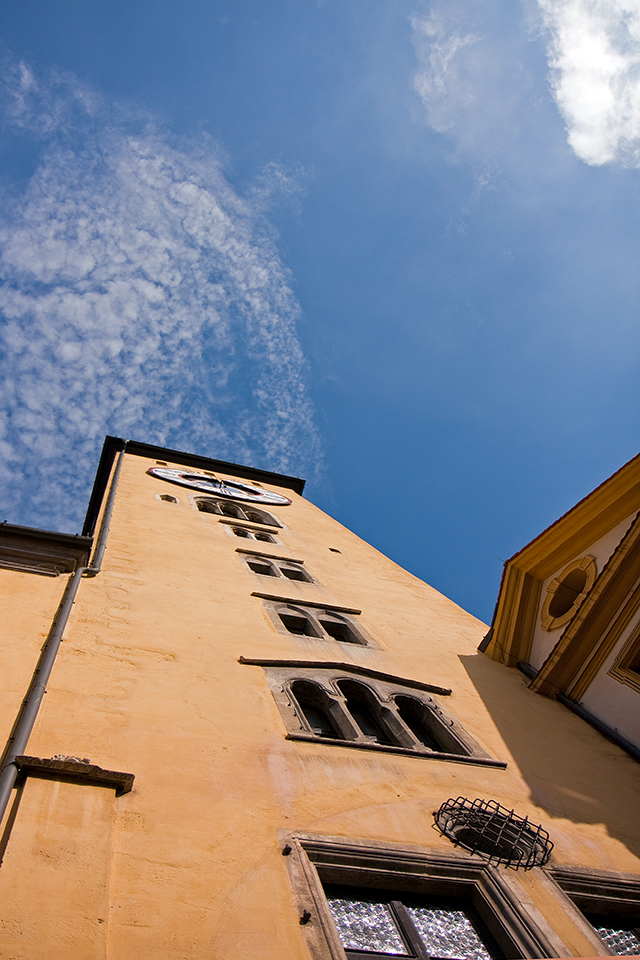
(112, 445)
(611, 502)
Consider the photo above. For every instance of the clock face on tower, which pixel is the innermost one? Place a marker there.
(220, 488)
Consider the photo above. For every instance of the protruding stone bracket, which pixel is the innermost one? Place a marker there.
(72, 771)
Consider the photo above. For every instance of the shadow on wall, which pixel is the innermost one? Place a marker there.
(571, 770)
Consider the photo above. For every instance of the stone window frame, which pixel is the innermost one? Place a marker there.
(325, 677)
(249, 533)
(603, 892)
(312, 861)
(317, 614)
(586, 564)
(626, 666)
(234, 511)
(276, 564)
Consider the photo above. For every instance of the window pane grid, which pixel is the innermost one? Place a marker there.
(390, 928)
(368, 926)
(622, 942)
(448, 934)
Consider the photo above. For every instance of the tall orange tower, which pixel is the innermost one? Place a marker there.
(262, 738)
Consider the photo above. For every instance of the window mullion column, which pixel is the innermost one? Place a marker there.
(408, 928)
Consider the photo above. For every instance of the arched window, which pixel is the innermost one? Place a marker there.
(298, 622)
(207, 505)
(248, 534)
(412, 712)
(261, 516)
(231, 510)
(228, 508)
(364, 710)
(242, 532)
(271, 566)
(294, 571)
(338, 628)
(315, 707)
(427, 726)
(168, 498)
(262, 565)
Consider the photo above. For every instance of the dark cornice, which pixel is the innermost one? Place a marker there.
(31, 550)
(114, 444)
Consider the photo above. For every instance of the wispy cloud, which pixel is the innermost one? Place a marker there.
(477, 81)
(594, 54)
(482, 80)
(143, 296)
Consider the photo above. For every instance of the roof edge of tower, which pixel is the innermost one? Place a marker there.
(113, 445)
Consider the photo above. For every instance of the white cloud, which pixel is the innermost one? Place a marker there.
(594, 54)
(481, 77)
(142, 296)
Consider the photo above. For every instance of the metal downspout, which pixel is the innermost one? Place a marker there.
(17, 743)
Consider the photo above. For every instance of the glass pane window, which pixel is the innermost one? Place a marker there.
(448, 934)
(622, 941)
(389, 924)
(368, 926)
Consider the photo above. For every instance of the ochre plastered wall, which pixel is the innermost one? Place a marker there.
(148, 682)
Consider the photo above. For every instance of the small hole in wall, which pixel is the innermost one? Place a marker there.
(335, 550)
(161, 463)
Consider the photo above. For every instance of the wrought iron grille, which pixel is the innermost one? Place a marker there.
(486, 828)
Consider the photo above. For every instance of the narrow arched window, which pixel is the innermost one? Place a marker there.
(361, 706)
(168, 498)
(314, 706)
(294, 571)
(207, 505)
(338, 628)
(231, 510)
(297, 622)
(261, 516)
(262, 566)
(265, 537)
(242, 532)
(413, 714)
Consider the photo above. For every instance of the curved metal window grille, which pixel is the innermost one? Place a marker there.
(493, 832)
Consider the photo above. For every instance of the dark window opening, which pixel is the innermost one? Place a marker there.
(241, 532)
(297, 624)
(259, 566)
(339, 631)
(412, 713)
(168, 498)
(294, 573)
(362, 713)
(392, 924)
(265, 537)
(207, 506)
(566, 592)
(311, 699)
(230, 510)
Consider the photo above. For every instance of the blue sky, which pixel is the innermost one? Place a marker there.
(389, 246)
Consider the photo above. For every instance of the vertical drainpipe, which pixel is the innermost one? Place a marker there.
(17, 743)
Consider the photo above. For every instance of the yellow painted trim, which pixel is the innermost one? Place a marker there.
(591, 518)
(588, 564)
(590, 633)
(571, 535)
(630, 653)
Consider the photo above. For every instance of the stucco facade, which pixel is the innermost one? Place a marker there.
(178, 667)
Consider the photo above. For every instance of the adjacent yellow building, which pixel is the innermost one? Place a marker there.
(262, 738)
